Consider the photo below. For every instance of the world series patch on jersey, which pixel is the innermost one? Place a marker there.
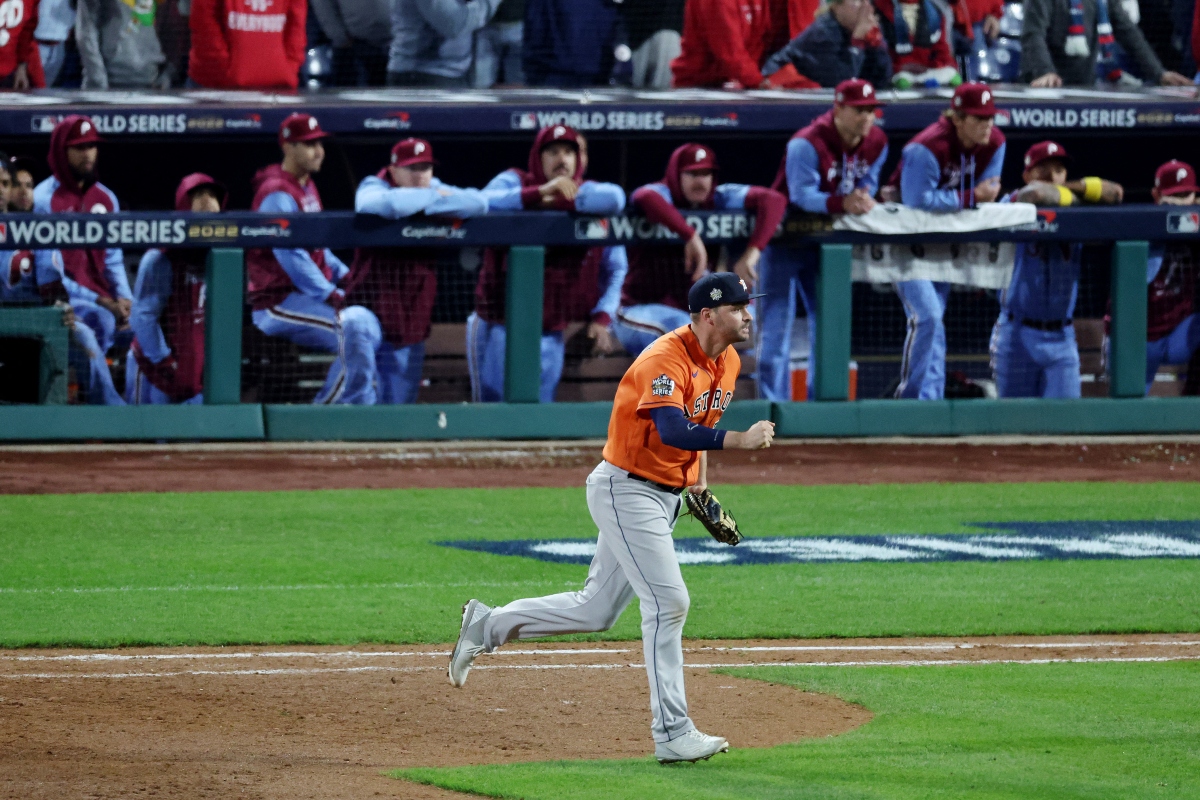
(662, 386)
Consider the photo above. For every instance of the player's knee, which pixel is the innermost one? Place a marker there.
(359, 321)
(673, 604)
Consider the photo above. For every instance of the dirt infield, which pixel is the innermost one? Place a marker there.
(33, 470)
(324, 722)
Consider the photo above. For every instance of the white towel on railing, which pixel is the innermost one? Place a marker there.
(987, 265)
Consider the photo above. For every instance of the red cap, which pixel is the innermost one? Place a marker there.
(82, 132)
(856, 92)
(976, 99)
(300, 128)
(558, 133)
(1175, 177)
(412, 151)
(697, 157)
(1043, 151)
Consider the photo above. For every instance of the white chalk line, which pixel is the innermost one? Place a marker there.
(717, 665)
(299, 587)
(553, 652)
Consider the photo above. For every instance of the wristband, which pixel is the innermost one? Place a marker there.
(1065, 196)
(1093, 189)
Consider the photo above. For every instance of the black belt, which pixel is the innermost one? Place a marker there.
(1049, 325)
(660, 486)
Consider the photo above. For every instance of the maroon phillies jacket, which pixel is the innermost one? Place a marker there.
(836, 164)
(269, 284)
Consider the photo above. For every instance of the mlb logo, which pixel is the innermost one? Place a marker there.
(1183, 222)
(43, 124)
(3, 232)
(524, 122)
(1003, 118)
(591, 228)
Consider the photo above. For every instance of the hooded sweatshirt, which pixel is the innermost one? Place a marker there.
(17, 45)
(117, 43)
(571, 290)
(88, 274)
(657, 274)
(247, 44)
(168, 311)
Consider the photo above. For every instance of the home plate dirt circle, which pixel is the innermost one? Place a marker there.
(317, 723)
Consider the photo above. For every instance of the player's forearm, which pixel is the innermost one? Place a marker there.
(675, 431)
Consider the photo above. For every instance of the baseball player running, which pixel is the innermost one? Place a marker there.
(654, 297)
(1033, 347)
(830, 167)
(293, 292)
(658, 437)
(951, 165)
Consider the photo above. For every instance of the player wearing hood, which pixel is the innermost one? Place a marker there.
(831, 166)
(95, 280)
(294, 292)
(1034, 353)
(166, 359)
(654, 296)
(400, 283)
(953, 164)
(581, 283)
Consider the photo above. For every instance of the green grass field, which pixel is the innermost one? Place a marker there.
(365, 566)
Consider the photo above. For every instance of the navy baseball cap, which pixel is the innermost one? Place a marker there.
(718, 289)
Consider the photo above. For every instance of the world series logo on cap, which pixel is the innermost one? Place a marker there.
(715, 294)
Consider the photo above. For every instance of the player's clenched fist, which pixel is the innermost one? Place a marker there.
(760, 436)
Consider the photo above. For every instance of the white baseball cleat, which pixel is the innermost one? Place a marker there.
(470, 641)
(692, 746)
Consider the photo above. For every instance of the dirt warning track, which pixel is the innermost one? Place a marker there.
(325, 722)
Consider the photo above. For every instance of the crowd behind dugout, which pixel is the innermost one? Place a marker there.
(732, 44)
(374, 315)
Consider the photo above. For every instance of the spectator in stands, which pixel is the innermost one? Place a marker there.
(119, 46)
(361, 32)
(1172, 324)
(842, 44)
(832, 166)
(399, 284)
(56, 18)
(724, 44)
(1033, 347)
(498, 48)
(20, 192)
(166, 359)
(985, 17)
(654, 297)
(20, 61)
(655, 28)
(953, 164)
(294, 292)
(247, 44)
(918, 35)
(582, 284)
(95, 280)
(1070, 42)
(432, 41)
(568, 43)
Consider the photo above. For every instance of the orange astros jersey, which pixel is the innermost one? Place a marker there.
(673, 371)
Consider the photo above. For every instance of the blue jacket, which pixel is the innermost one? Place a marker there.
(569, 37)
(824, 53)
(436, 36)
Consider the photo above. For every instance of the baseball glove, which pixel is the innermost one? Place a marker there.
(719, 522)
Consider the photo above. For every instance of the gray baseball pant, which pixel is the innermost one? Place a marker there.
(634, 555)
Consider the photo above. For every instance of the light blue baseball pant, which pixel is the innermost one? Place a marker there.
(399, 372)
(354, 335)
(141, 392)
(784, 272)
(923, 365)
(1174, 348)
(1027, 362)
(485, 361)
(91, 366)
(636, 327)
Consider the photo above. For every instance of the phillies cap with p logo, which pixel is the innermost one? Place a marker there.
(83, 131)
(412, 151)
(1175, 177)
(697, 157)
(1043, 151)
(976, 99)
(300, 128)
(856, 92)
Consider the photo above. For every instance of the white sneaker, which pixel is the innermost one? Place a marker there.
(692, 746)
(470, 641)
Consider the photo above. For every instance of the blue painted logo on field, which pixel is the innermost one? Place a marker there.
(1012, 541)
